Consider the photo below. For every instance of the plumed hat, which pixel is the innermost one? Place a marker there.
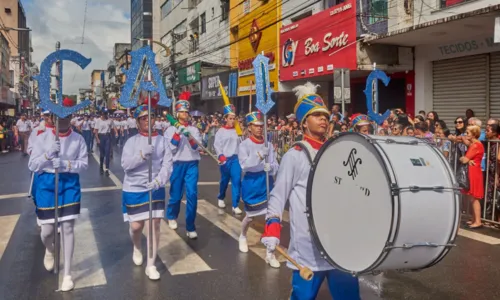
(308, 102)
(255, 117)
(182, 103)
(229, 109)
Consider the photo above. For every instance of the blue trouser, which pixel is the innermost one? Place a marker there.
(92, 137)
(185, 174)
(342, 286)
(231, 170)
(104, 149)
(87, 136)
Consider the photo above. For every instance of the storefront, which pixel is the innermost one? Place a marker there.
(261, 26)
(459, 75)
(211, 96)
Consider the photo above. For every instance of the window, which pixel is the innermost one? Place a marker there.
(224, 7)
(301, 16)
(203, 23)
(378, 11)
(166, 9)
(11, 77)
(8, 11)
(330, 3)
(246, 6)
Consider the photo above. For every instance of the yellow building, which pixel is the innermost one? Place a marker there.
(254, 27)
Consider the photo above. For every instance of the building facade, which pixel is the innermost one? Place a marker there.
(196, 33)
(141, 22)
(13, 15)
(457, 63)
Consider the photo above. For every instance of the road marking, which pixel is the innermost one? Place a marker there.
(112, 176)
(176, 254)
(86, 266)
(85, 190)
(232, 227)
(478, 237)
(7, 223)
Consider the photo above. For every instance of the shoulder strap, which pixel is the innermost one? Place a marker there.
(308, 150)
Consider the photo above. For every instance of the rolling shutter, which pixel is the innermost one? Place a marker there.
(460, 84)
(495, 85)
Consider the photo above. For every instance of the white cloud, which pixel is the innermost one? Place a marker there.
(62, 20)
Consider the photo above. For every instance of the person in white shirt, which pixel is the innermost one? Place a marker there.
(69, 156)
(124, 130)
(136, 186)
(92, 127)
(86, 131)
(252, 155)
(182, 142)
(102, 131)
(23, 127)
(226, 146)
(132, 126)
(291, 186)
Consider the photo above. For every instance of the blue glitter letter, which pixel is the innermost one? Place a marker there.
(44, 82)
(263, 89)
(130, 92)
(376, 74)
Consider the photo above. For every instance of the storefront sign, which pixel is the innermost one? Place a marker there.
(245, 66)
(466, 47)
(314, 46)
(210, 85)
(189, 74)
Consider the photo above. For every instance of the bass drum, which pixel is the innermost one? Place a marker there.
(382, 203)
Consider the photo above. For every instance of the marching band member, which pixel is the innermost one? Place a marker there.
(135, 157)
(86, 130)
(251, 154)
(361, 124)
(291, 183)
(226, 146)
(69, 156)
(132, 126)
(103, 127)
(182, 142)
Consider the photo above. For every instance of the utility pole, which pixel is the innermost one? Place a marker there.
(173, 66)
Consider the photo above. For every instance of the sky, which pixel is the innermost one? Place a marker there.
(107, 23)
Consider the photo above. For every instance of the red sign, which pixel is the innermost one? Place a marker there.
(246, 64)
(314, 46)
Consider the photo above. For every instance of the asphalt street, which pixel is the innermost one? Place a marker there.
(210, 267)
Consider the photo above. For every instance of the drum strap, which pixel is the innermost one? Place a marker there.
(308, 150)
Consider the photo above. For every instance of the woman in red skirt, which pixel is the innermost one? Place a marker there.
(473, 157)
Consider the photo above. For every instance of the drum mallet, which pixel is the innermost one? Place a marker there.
(304, 272)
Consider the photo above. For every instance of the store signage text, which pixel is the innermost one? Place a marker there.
(467, 46)
(328, 41)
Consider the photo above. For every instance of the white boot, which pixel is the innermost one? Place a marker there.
(237, 211)
(221, 203)
(192, 235)
(67, 284)
(152, 273)
(272, 261)
(172, 224)
(48, 260)
(242, 241)
(137, 257)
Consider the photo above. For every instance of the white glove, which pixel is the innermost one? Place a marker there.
(270, 242)
(147, 151)
(56, 163)
(54, 150)
(153, 185)
(267, 167)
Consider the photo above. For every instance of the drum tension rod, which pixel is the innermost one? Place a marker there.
(391, 141)
(414, 188)
(425, 244)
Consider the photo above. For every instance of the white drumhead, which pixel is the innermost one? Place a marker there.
(350, 202)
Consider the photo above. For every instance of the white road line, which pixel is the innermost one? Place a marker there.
(478, 237)
(176, 254)
(7, 223)
(86, 266)
(112, 176)
(85, 190)
(232, 227)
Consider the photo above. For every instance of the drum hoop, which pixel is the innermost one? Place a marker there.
(310, 219)
(454, 232)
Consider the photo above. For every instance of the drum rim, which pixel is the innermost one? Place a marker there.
(310, 220)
